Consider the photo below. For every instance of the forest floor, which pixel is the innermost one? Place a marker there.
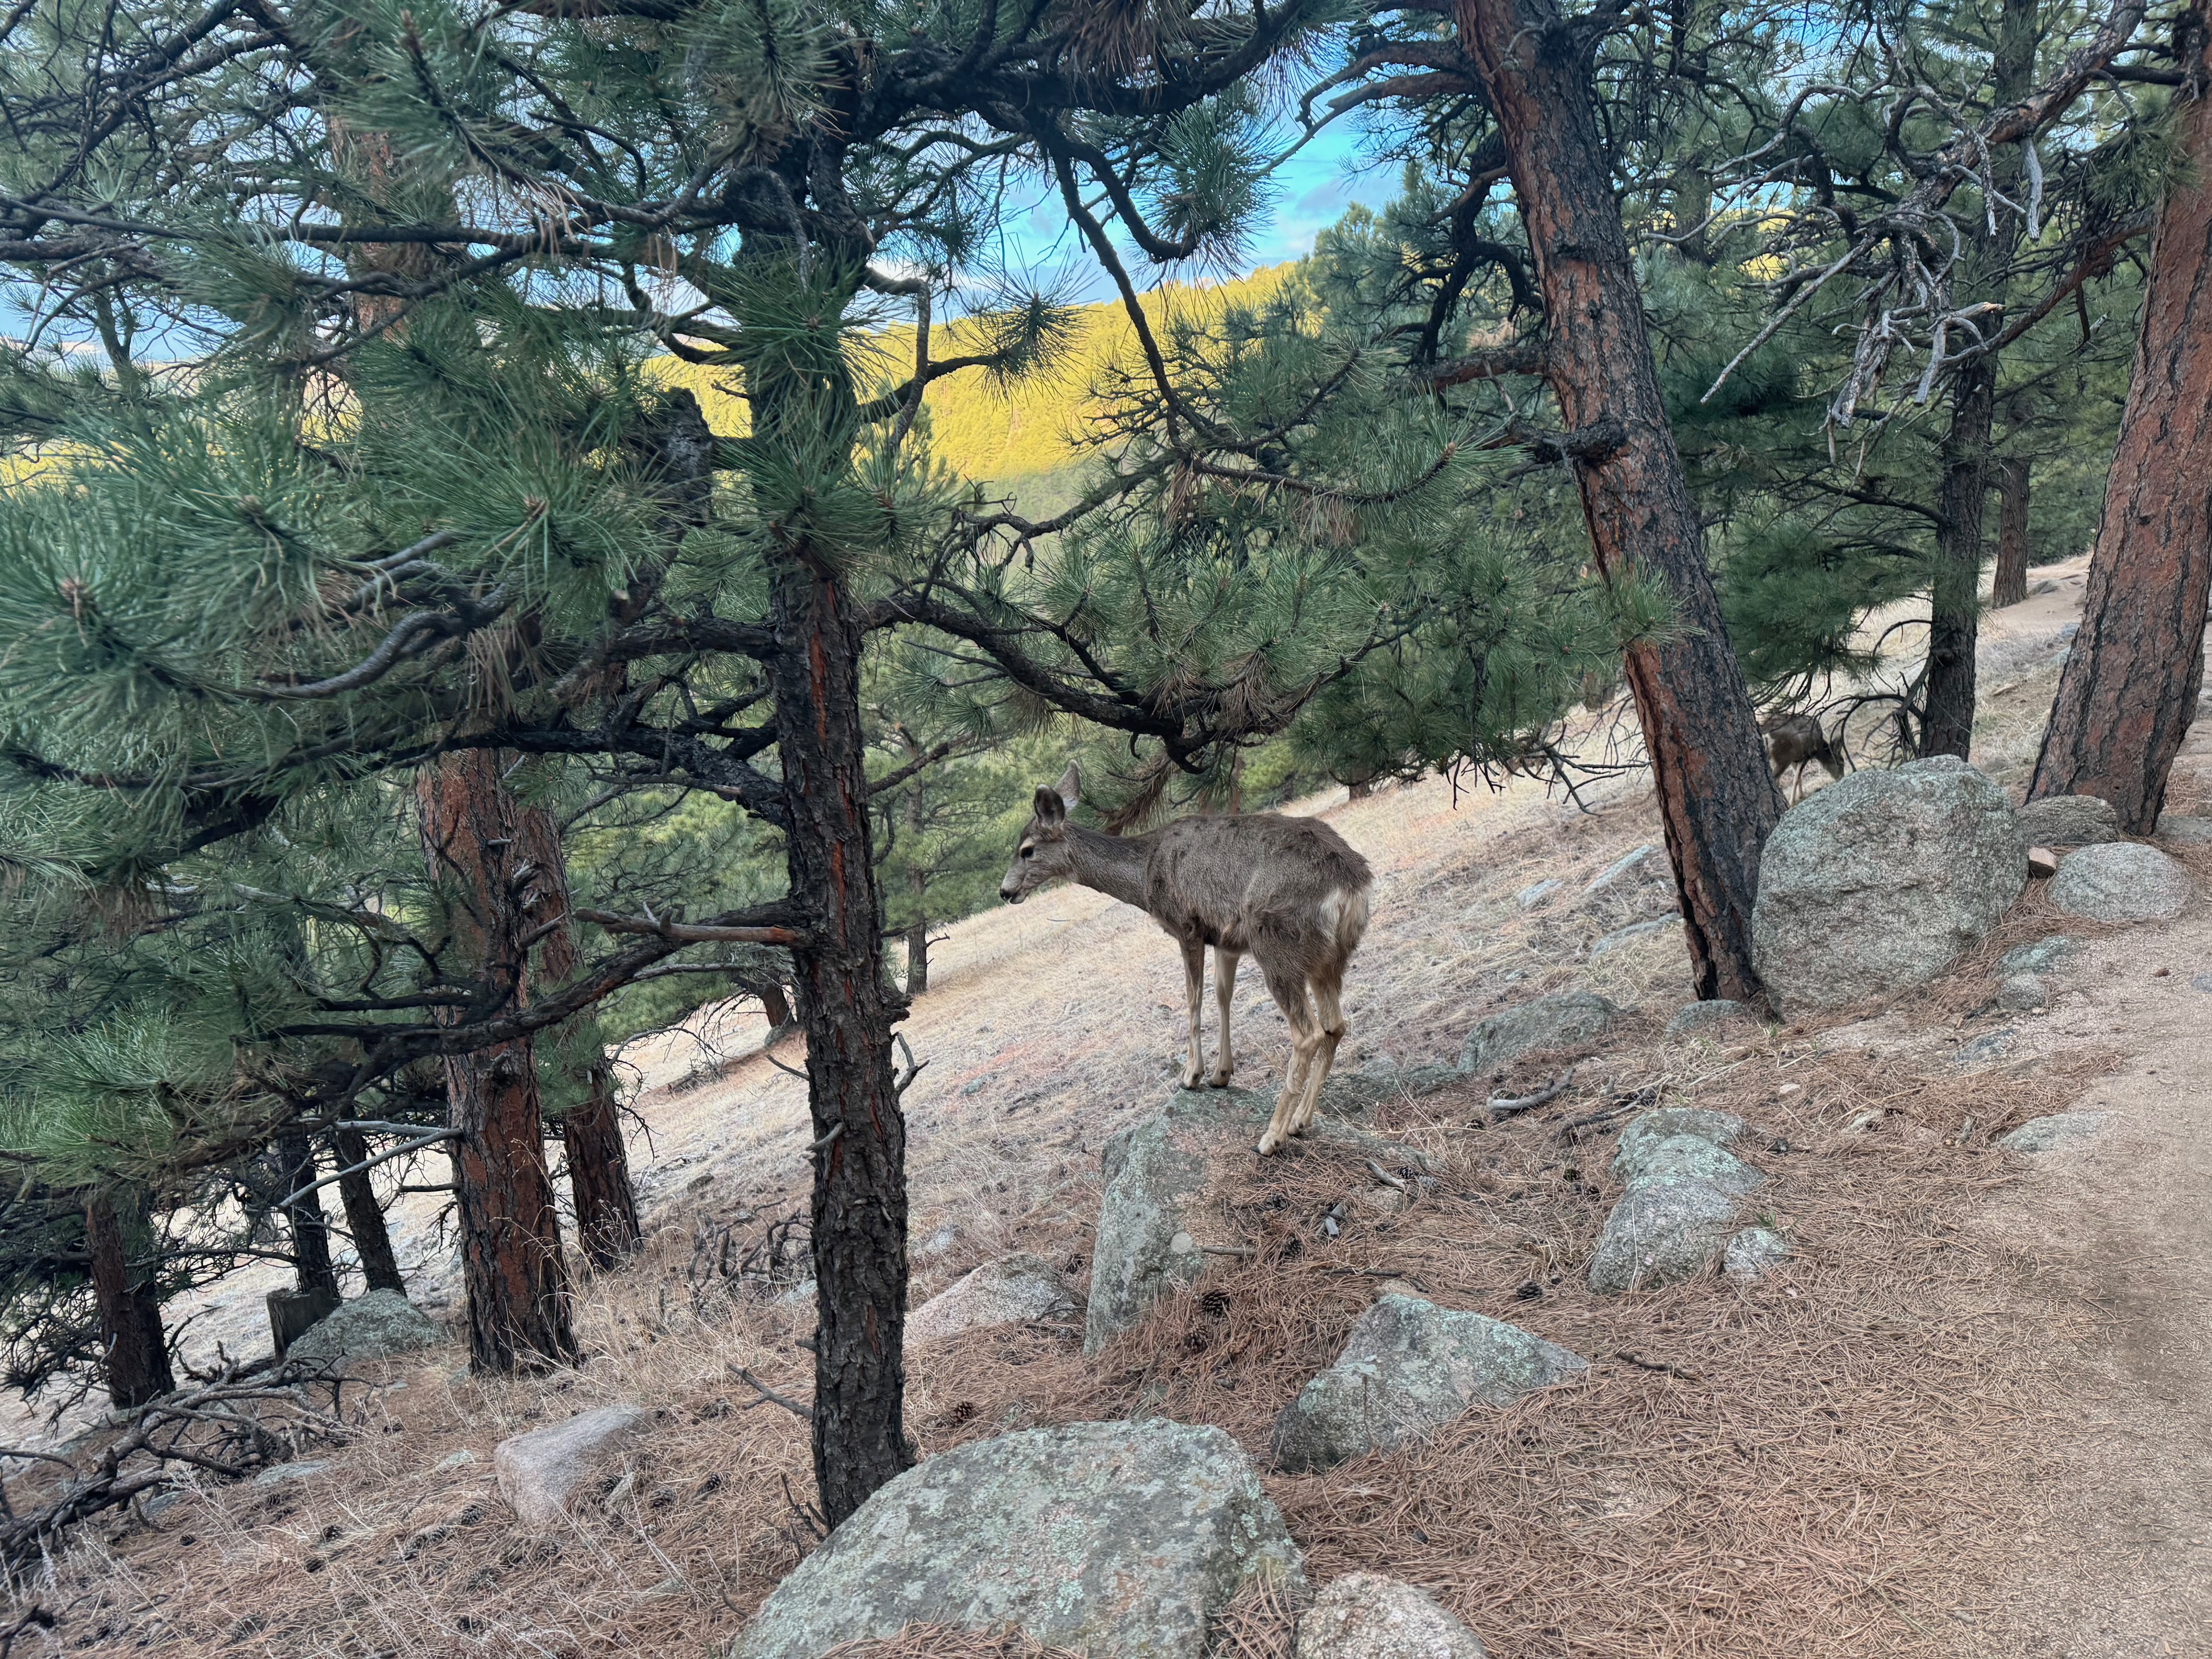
(1972, 1416)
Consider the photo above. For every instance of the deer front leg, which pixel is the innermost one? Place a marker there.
(1224, 992)
(1291, 998)
(1194, 973)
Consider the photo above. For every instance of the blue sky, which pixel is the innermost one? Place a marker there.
(1310, 192)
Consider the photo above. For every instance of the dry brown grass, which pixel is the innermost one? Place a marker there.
(1821, 1464)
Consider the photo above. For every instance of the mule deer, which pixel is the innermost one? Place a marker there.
(1288, 891)
(1798, 740)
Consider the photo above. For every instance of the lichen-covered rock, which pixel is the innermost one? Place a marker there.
(2047, 954)
(1693, 1158)
(1353, 1094)
(2120, 882)
(1752, 1252)
(1554, 1022)
(2046, 1134)
(1653, 1128)
(542, 1472)
(2022, 994)
(1155, 1172)
(2183, 830)
(1699, 1019)
(1410, 1367)
(1659, 1232)
(2069, 821)
(1620, 938)
(378, 1323)
(1986, 1050)
(1107, 1539)
(1363, 1615)
(1014, 1288)
(1537, 892)
(1879, 882)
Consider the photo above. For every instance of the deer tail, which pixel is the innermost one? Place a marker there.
(1344, 917)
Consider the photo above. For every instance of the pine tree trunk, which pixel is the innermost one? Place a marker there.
(846, 1010)
(310, 1234)
(1717, 798)
(1946, 726)
(512, 1262)
(2010, 586)
(917, 958)
(372, 1237)
(2128, 688)
(591, 1130)
(118, 1233)
(776, 1007)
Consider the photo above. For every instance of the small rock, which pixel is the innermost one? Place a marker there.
(453, 1459)
(1003, 1292)
(1363, 1615)
(1635, 884)
(2043, 1134)
(1628, 935)
(1407, 1368)
(1659, 1232)
(2183, 830)
(283, 1475)
(2047, 954)
(938, 1241)
(2122, 881)
(1381, 1201)
(380, 1322)
(2069, 821)
(542, 1472)
(1693, 1158)
(2041, 588)
(1753, 1252)
(1879, 882)
(2069, 630)
(1985, 1049)
(2042, 864)
(2200, 983)
(1866, 1122)
(1536, 892)
(2022, 994)
(1652, 1129)
(1697, 1020)
(1562, 1021)
(1107, 1539)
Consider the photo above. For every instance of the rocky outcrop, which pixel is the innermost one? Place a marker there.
(1636, 885)
(1879, 882)
(1106, 1539)
(2046, 955)
(542, 1474)
(1155, 1174)
(2121, 882)
(2069, 821)
(1363, 1615)
(381, 1322)
(1408, 1368)
(1677, 1207)
(1753, 1253)
(1003, 1292)
(1707, 1019)
(1651, 1129)
(2048, 1134)
(1563, 1021)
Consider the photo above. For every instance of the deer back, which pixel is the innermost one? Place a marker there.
(1229, 881)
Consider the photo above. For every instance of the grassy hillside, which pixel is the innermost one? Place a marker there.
(1018, 435)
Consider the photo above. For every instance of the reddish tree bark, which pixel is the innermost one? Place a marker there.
(2128, 688)
(1717, 798)
(2009, 585)
(845, 1009)
(512, 1262)
(118, 1233)
(591, 1130)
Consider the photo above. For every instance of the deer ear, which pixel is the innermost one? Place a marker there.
(1050, 809)
(1070, 787)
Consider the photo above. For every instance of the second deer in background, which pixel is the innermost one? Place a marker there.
(1794, 742)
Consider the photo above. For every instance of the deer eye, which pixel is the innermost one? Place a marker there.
(1029, 852)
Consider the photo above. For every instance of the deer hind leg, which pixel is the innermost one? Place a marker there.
(1289, 991)
(1328, 990)
(1193, 974)
(1224, 992)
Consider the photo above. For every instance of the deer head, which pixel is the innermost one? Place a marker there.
(1041, 855)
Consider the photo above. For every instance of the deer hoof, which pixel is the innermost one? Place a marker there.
(1219, 1080)
(1190, 1079)
(1269, 1145)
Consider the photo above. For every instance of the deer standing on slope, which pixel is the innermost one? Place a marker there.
(1288, 891)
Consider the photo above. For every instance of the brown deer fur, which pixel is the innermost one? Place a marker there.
(1288, 891)
(1796, 741)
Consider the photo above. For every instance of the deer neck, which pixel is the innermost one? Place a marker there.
(1112, 865)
